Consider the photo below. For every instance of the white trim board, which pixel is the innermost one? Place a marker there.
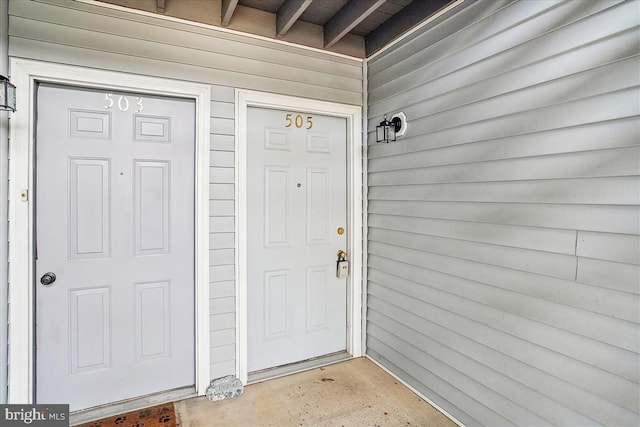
(353, 114)
(25, 74)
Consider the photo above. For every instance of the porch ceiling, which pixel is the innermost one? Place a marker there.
(353, 27)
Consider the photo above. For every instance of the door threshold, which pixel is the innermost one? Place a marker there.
(294, 368)
(133, 404)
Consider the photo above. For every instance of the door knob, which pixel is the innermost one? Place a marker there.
(48, 278)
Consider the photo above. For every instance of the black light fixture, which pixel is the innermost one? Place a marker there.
(388, 130)
(7, 95)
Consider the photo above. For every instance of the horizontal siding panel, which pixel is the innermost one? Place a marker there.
(222, 321)
(613, 275)
(220, 273)
(468, 85)
(539, 239)
(546, 299)
(221, 191)
(516, 414)
(223, 110)
(45, 51)
(443, 34)
(149, 46)
(223, 93)
(221, 240)
(611, 247)
(221, 207)
(222, 175)
(222, 126)
(447, 307)
(580, 217)
(481, 387)
(222, 289)
(530, 364)
(222, 369)
(222, 143)
(223, 353)
(503, 226)
(416, 371)
(221, 257)
(223, 337)
(173, 33)
(222, 224)
(599, 163)
(592, 109)
(511, 386)
(614, 191)
(481, 28)
(222, 305)
(224, 159)
(463, 107)
(549, 264)
(592, 136)
(532, 29)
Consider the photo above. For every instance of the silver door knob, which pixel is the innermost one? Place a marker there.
(48, 278)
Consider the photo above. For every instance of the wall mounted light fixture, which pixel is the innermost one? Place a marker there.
(7, 95)
(388, 130)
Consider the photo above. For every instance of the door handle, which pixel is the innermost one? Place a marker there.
(48, 278)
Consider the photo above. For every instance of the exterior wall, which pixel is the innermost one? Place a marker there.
(86, 35)
(503, 256)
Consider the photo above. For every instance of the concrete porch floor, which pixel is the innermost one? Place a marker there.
(352, 393)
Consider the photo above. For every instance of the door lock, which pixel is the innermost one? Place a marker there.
(342, 265)
(48, 279)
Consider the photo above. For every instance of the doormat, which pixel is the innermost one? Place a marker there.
(155, 416)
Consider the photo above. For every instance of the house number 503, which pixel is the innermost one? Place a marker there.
(123, 103)
(298, 121)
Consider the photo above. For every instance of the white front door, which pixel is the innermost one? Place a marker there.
(297, 216)
(115, 225)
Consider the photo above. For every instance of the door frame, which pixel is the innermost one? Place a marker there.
(355, 196)
(25, 74)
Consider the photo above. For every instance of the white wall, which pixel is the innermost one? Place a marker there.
(86, 35)
(504, 227)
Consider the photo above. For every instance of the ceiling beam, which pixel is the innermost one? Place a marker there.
(289, 13)
(414, 13)
(347, 18)
(228, 7)
(160, 6)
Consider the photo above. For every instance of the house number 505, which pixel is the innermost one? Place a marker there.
(298, 121)
(123, 102)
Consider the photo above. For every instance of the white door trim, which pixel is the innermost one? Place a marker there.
(353, 114)
(25, 74)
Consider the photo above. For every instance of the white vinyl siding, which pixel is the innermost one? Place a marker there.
(503, 252)
(87, 35)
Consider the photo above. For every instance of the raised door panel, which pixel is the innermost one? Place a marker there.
(89, 329)
(89, 208)
(152, 200)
